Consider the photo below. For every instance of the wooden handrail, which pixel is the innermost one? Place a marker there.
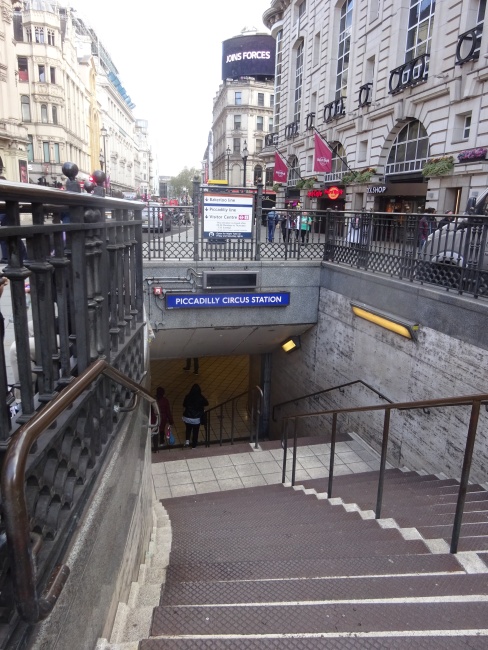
(31, 607)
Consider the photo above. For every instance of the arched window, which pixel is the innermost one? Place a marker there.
(293, 171)
(344, 49)
(410, 149)
(25, 107)
(44, 113)
(339, 163)
(55, 114)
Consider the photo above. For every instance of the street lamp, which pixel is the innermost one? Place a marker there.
(103, 133)
(101, 159)
(227, 151)
(245, 154)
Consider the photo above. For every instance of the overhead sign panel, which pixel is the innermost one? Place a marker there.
(227, 216)
(248, 56)
(214, 300)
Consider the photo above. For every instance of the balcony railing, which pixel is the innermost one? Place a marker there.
(408, 74)
(469, 44)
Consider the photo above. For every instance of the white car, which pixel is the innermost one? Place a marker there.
(154, 218)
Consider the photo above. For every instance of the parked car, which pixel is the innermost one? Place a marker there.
(155, 218)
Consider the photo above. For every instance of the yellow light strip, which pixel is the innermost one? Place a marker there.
(383, 322)
(289, 345)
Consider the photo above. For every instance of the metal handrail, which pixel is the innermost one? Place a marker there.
(474, 401)
(328, 390)
(232, 401)
(31, 607)
(256, 414)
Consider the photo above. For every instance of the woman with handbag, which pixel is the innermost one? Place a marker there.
(165, 415)
(194, 408)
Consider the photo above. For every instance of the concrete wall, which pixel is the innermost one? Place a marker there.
(108, 548)
(449, 359)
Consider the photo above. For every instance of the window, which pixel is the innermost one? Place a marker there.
(467, 126)
(23, 68)
(298, 83)
(50, 36)
(52, 75)
(316, 49)
(271, 101)
(363, 150)
(409, 150)
(344, 49)
(30, 149)
(260, 123)
(55, 114)
(260, 99)
(45, 152)
(237, 122)
(57, 157)
(39, 34)
(420, 27)
(279, 56)
(258, 174)
(237, 98)
(42, 73)
(302, 9)
(25, 107)
(237, 145)
(270, 125)
(294, 171)
(259, 146)
(28, 34)
(44, 119)
(339, 163)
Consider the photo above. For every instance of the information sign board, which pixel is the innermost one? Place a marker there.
(227, 215)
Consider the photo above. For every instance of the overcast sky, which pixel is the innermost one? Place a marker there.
(169, 58)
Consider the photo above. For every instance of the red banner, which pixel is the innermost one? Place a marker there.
(323, 156)
(280, 174)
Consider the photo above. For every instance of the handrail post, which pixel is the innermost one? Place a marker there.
(233, 419)
(463, 485)
(221, 423)
(295, 445)
(384, 449)
(332, 455)
(284, 444)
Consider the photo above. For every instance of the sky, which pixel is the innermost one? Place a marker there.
(169, 58)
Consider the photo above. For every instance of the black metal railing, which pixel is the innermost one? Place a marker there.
(15, 511)
(238, 418)
(472, 401)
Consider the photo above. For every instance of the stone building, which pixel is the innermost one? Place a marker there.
(398, 89)
(243, 109)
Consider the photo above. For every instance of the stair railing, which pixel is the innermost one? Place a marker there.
(31, 607)
(219, 411)
(474, 401)
(256, 410)
(339, 387)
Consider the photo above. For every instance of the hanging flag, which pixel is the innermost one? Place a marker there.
(280, 174)
(323, 155)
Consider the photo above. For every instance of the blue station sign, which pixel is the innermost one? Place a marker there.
(216, 300)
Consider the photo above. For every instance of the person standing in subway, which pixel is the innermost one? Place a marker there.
(194, 411)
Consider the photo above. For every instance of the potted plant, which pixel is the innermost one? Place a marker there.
(310, 182)
(300, 183)
(438, 166)
(472, 154)
(276, 187)
(349, 177)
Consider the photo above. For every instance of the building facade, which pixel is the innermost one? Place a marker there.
(243, 109)
(397, 88)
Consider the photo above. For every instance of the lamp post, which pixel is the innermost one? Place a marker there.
(245, 154)
(104, 133)
(227, 151)
(101, 159)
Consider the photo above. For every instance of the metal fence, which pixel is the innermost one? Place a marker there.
(441, 250)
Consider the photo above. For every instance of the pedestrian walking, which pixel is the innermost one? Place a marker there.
(165, 417)
(195, 365)
(272, 219)
(194, 412)
(304, 224)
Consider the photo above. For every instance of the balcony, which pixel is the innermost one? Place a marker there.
(334, 110)
(468, 46)
(409, 74)
(292, 130)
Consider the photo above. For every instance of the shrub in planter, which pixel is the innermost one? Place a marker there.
(300, 183)
(276, 187)
(310, 182)
(438, 166)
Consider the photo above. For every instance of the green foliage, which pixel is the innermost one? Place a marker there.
(359, 176)
(183, 182)
(438, 166)
(300, 183)
(310, 182)
(276, 187)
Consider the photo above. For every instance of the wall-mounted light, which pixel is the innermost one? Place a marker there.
(388, 321)
(291, 344)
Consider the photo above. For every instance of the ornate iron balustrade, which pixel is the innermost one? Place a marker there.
(271, 140)
(365, 91)
(468, 45)
(409, 74)
(82, 257)
(334, 110)
(292, 130)
(310, 121)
